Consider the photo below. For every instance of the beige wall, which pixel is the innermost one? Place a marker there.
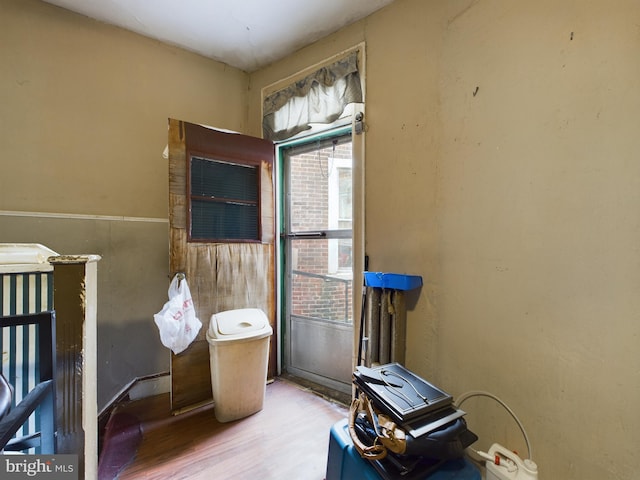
(83, 124)
(519, 207)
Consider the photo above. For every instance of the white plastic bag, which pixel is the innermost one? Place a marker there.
(177, 320)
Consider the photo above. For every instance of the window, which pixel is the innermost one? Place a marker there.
(223, 200)
(345, 246)
(340, 206)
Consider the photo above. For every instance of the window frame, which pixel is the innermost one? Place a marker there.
(217, 157)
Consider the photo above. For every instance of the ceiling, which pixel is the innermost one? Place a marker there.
(246, 34)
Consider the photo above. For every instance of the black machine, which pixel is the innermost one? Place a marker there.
(404, 425)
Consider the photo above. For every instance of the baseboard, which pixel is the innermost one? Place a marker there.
(138, 388)
(150, 386)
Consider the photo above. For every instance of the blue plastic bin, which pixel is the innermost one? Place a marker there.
(393, 281)
(345, 463)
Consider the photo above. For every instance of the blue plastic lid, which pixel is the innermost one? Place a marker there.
(393, 281)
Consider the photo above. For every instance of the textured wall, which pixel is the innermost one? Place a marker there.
(84, 119)
(501, 165)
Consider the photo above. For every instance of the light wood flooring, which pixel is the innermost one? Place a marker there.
(287, 440)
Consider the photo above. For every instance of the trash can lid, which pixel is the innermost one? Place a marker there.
(239, 323)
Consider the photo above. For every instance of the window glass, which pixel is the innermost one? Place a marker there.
(223, 200)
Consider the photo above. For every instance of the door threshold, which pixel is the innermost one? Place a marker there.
(321, 390)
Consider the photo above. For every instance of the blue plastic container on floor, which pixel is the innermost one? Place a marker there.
(345, 463)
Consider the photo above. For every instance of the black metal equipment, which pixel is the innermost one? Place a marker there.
(435, 430)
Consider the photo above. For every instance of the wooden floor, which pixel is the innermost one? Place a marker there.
(287, 440)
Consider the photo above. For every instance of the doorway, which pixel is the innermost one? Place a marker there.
(317, 260)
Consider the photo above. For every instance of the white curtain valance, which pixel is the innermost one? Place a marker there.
(320, 97)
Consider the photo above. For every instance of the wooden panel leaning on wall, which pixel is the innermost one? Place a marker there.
(222, 275)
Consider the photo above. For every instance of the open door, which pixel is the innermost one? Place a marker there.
(317, 246)
(228, 264)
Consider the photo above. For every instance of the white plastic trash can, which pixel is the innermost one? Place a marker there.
(239, 356)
